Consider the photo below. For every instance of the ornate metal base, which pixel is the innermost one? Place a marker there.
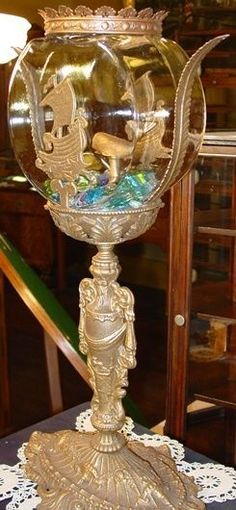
(91, 471)
(73, 473)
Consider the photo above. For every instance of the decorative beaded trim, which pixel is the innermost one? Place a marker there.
(103, 20)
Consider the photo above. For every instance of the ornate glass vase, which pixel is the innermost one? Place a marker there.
(105, 115)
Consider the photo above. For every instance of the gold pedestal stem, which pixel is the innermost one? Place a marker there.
(107, 338)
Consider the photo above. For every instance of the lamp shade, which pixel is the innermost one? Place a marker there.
(13, 30)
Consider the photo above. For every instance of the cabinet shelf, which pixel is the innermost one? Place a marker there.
(215, 54)
(218, 240)
(207, 32)
(208, 265)
(220, 151)
(212, 300)
(217, 10)
(222, 395)
(219, 222)
(213, 187)
(218, 80)
(219, 108)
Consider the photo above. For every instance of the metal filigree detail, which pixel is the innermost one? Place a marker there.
(103, 20)
(62, 153)
(101, 471)
(63, 10)
(71, 474)
(98, 227)
(83, 10)
(105, 11)
(107, 338)
(182, 137)
(152, 125)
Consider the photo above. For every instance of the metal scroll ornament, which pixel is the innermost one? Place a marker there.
(105, 116)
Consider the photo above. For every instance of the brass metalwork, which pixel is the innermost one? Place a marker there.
(184, 140)
(101, 470)
(104, 20)
(115, 149)
(152, 124)
(73, 474)
(97, 227)
(107, 338)
(63, 151)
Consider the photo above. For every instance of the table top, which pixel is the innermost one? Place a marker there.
(66, 420)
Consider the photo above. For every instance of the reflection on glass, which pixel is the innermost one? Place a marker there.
(214, 217)
(100, 112)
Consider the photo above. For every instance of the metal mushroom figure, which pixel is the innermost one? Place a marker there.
(105, 115)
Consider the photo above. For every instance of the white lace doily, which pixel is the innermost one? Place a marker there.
(216, 482)
(14, 486)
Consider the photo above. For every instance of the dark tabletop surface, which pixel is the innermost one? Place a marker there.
(66, 420)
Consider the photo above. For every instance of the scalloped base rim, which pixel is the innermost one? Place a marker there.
(71, 474)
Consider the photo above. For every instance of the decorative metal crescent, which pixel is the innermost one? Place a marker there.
(182, 116)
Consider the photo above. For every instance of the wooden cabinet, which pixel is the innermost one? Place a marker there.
(214, 216)
(219, 68)
(26, 223)
(214, 293)
(202, 276)
(210, 302)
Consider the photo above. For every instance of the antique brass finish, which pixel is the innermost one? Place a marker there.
(104, 20)
(73, 474)
(184, 140)
(101, 470)
(114, 148)
(96, 227)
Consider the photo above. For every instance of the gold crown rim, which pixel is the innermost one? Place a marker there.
(102, 20)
